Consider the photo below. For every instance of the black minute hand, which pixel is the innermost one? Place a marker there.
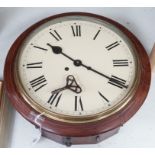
(77, 63)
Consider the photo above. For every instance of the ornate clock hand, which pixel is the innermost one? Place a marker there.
(78, 63)
(71, 84)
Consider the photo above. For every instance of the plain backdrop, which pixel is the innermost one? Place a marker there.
(139, 131)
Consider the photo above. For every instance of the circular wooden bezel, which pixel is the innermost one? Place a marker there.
(80, 129)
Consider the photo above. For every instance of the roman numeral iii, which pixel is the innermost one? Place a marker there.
(38, 83)
(54, 98)
(56, 35)
(113, 45)
(76, 30)
(118, 82)
(120, 63)
(78, 104)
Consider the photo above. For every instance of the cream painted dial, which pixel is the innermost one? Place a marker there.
(77, 66)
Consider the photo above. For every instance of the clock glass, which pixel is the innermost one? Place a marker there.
(77, 67)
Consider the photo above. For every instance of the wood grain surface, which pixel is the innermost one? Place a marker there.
(6, 115)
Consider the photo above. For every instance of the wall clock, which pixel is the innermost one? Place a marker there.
(83, 74)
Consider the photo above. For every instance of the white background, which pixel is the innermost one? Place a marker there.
(138, 131)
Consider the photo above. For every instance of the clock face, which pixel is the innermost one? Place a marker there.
(77, 66)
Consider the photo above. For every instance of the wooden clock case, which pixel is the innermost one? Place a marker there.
(78, 133)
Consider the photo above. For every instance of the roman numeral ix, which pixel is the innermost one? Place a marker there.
(118, 82)
(76, 30)
(120, 63)
(38, 83)
(78, 104)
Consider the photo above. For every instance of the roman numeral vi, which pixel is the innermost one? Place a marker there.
(78, 104)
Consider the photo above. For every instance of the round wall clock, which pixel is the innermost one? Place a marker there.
(81, 75)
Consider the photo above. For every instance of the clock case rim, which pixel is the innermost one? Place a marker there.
(80, 129)
(78, 119)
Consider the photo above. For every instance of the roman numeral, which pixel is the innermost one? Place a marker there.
(113, 45)
(38, 83)
(76, 30)
(78, 104)
(120, 63)
(56, 35)
(54, 98)
(118, 82)
(41, 48)
(34, 65)
(103, 97)
(96, 34)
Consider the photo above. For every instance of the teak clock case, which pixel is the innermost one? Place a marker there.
(78, 133)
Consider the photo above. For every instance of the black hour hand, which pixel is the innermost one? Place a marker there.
(55, 49)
